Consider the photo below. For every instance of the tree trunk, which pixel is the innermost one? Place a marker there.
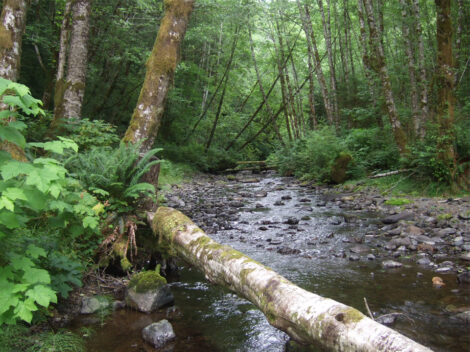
(161, 67)
(410, 55)
(445, 83)
(306, 317)
(261, 87)
(321, 77)
(423, 82)
(69, 94)
(12, 26)
(329, 50)
(381, 67)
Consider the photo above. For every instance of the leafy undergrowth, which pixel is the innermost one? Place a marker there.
(405, 185)
(172, 173)
(19, 338)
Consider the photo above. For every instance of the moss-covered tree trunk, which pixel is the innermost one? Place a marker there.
(161, 67)
(12, 26)
(306, 317)
(70, 90)
(445, 84)
(376, 36)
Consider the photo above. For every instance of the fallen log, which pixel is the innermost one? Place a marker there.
(249, 162)
(385, 174)
(306, 317)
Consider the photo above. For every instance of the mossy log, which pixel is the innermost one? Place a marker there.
(306, 317)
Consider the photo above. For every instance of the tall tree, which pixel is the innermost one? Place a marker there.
(161, 67)
(69, 94)
(381, 68)
(445, 86)
(12, 26)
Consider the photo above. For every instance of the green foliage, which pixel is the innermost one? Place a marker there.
(311, 157)
(173, 173)
(95, 133)
(113, 175)
(398, 201)
(35, 196)
(373, 149)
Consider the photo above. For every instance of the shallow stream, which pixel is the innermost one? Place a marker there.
(314, 253)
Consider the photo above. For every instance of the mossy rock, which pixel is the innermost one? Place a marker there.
(146, 281)
(340, 167)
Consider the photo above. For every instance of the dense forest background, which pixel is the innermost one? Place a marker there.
(367, 75)
(324, 90)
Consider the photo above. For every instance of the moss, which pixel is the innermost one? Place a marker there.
(398, 201)
(147, 280)
(352, 315)
(446, 216)
(6, 41)
(340, 167)
(125, 264)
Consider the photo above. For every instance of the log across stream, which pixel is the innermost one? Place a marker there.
(209, 318)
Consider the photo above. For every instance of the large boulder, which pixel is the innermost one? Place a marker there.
(148, 291)
(158, 334)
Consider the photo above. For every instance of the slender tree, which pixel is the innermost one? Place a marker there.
(69, 94)
(161, 67)
(445, 84)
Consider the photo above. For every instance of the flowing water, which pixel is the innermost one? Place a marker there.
(314, 254)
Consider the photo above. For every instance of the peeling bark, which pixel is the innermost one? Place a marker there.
(161, 67)
(12, 26)
(306, 317)
(68, 97)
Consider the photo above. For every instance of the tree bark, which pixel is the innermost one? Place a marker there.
(161, 67)
(327, 32)
(423, 84)
(261, 87)
(306, 317)
(446, 81)
(381, 67)
(410, 55)
(12, 26)
(69, 94)
(321, 77)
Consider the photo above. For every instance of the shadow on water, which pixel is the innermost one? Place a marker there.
(210, 318)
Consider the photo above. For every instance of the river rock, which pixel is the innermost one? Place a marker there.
(465, 256)
(464, 317)
(94, 304)
(414, 230)
(148, 291)
(279, 202)
(158, 334)
(424, 261)
(291, 221)
(389, 264)
(445, 232)
(392, 219)
(464, 278)
(387, 319)
(358, 249)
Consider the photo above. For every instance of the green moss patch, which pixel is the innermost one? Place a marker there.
(147, 280)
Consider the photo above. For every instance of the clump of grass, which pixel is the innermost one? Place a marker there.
(398, 201)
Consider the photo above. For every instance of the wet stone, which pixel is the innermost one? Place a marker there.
(392, 219)
(278, 203)
(286, 197)
(388, 264)
(159, 334)
(291, 221)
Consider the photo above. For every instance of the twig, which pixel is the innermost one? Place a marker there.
(368, 309)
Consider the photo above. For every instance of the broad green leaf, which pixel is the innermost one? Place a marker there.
(34, 276)
(35, 252)
(57, 146)
(23, 310)
(14, 168)
(20, 287)
(7, 204)
(36, 200)
(9, 219)
(19, 262)
(60, 205)
(10, 134)
(43, 295)
(14, 193)
(90, 222)
(7, 296)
